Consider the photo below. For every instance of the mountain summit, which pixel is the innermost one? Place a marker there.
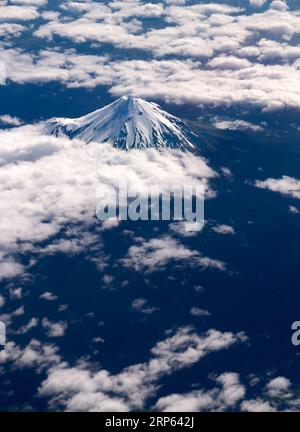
(127, 123)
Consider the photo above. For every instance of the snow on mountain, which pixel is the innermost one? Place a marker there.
(127, 123)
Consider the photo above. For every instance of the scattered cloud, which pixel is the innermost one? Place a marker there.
(8, 318)
(223, 229)
(195, 311)
(226, 172)
(54, 329)
(257, 3)
(16, 293)
(32, 323)
(279, 5)
(48, 296)
(6, 119)
(18, 13)
(154, 254)
(29, 2)
(225, 396)
(33, 355)
(186, 228)
(257, 405)
(237, 125)
(293, 210)
(289, 186)
(231, 395)
(9, 29)
(68, 200)
(278, 386)
(141, 305)
(207, 54)
(82, 389)
(10, 269)
(110, 223)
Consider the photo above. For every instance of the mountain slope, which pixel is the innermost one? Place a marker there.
(127, 123)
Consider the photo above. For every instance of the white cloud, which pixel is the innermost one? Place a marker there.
(286, 186)
(202, 29)
(32, 323)
(11, 29)
(186, 228)
(278, 395)
(279, 5)
(229, 62)
(226, 172)
(81, 389)
(175, 2)
(9, 120)
(252, 85)
(55, 183)
(257, 405)
(257, 3)
(270, 50)
(8, 318)
(278, 386)
(16, 293)
(54, 329)
(240, 53)
(48, 296)
(195, 401)
(18, 13)
(10, 269)
(141, 305)
(72, 242)
(293, 210)
(223, 229)
(237, 125)
(29, 2)
(50, 15)
(195, 311)
(232, 391)
(154, 254)
(19, 312)
(33, 355)
(220, 398)
(110, 223)
(231, 395)
(206, 263)
(69, 188)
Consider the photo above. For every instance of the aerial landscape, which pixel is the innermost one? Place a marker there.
(150, 214)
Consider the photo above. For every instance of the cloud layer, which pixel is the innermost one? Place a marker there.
(209, 54)
(50, 183)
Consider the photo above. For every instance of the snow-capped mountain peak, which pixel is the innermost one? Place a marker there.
(129, 122)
